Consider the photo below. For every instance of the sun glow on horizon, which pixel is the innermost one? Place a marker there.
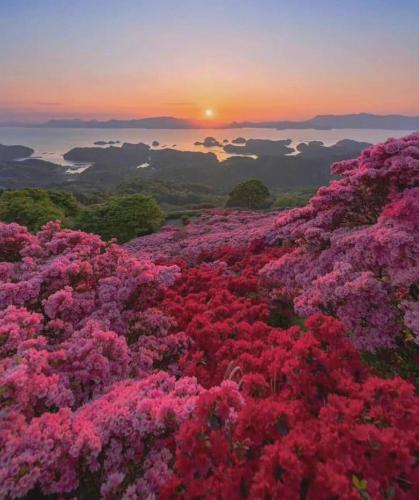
(209, 113)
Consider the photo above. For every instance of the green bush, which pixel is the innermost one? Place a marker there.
(250, 194)
(123, 217)
(293, 199)
(35, 207)
(170, 194)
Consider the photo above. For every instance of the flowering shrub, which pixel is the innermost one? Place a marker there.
(218, 305)
(311, 424)
(119, 443)
(215, 229)
(356, 247)
(193, 378)
(78, 317)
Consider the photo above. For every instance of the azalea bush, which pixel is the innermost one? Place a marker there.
(355, 247)
(78, 315)
(305, 421)
(215, 229)
(177, 366)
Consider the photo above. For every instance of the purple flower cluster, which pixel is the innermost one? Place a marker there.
(213, 230)
(355, 247)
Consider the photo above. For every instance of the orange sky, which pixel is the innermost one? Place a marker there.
(245, 60)
(255, 100)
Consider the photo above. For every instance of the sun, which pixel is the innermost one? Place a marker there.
(209, 113)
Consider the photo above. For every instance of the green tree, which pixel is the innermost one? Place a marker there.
(65, 201)
(35, 207)
(250, 194)
(122, 217)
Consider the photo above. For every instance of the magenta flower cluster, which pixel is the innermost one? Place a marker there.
(80, 343)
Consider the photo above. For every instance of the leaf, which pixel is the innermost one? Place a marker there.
(359, 484)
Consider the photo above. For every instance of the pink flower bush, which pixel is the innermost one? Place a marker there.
(79, 316)
(119, 444)
(356, 246)
(16, 326)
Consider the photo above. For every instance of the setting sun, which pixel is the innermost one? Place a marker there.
(209, 113)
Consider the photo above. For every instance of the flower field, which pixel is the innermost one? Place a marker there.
(221, 360)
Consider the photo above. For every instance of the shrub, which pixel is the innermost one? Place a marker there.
(308, 422)
(122, 217)
(35, 207)
(250, 194)
(213, 230)
(66, 201)
(293, 199)
(356, 247)
(80, 316)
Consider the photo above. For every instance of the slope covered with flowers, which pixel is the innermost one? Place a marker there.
(356, 247)
(176, 367)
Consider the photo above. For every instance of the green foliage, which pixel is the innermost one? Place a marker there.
(65, 201)
(170, 194)
(251, 194)
(35, 207)
(90, 197)
(403, 362)
(123, 217)
(293, 199)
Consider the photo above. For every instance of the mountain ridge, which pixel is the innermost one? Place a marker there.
(320, 122)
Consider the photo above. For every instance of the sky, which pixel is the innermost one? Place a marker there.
(241, 59)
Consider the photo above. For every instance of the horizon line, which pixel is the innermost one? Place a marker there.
(208, 123)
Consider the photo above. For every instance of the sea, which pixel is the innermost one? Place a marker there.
(51, 143)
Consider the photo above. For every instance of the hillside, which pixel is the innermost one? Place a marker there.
(244, 355)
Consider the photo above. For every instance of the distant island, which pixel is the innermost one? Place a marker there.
(319, 122)
(106, 168)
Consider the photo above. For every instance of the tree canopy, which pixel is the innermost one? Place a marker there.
(35, 207)
(123, 217)
(250, 194)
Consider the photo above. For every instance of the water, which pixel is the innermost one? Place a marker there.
(51, 143)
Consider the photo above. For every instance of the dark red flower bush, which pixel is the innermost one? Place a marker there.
(312, 424)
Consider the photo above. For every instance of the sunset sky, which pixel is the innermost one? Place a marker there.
(241, 59)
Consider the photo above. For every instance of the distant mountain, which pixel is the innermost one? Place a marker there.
(168, 122)
(320, 122)
(354, 121)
